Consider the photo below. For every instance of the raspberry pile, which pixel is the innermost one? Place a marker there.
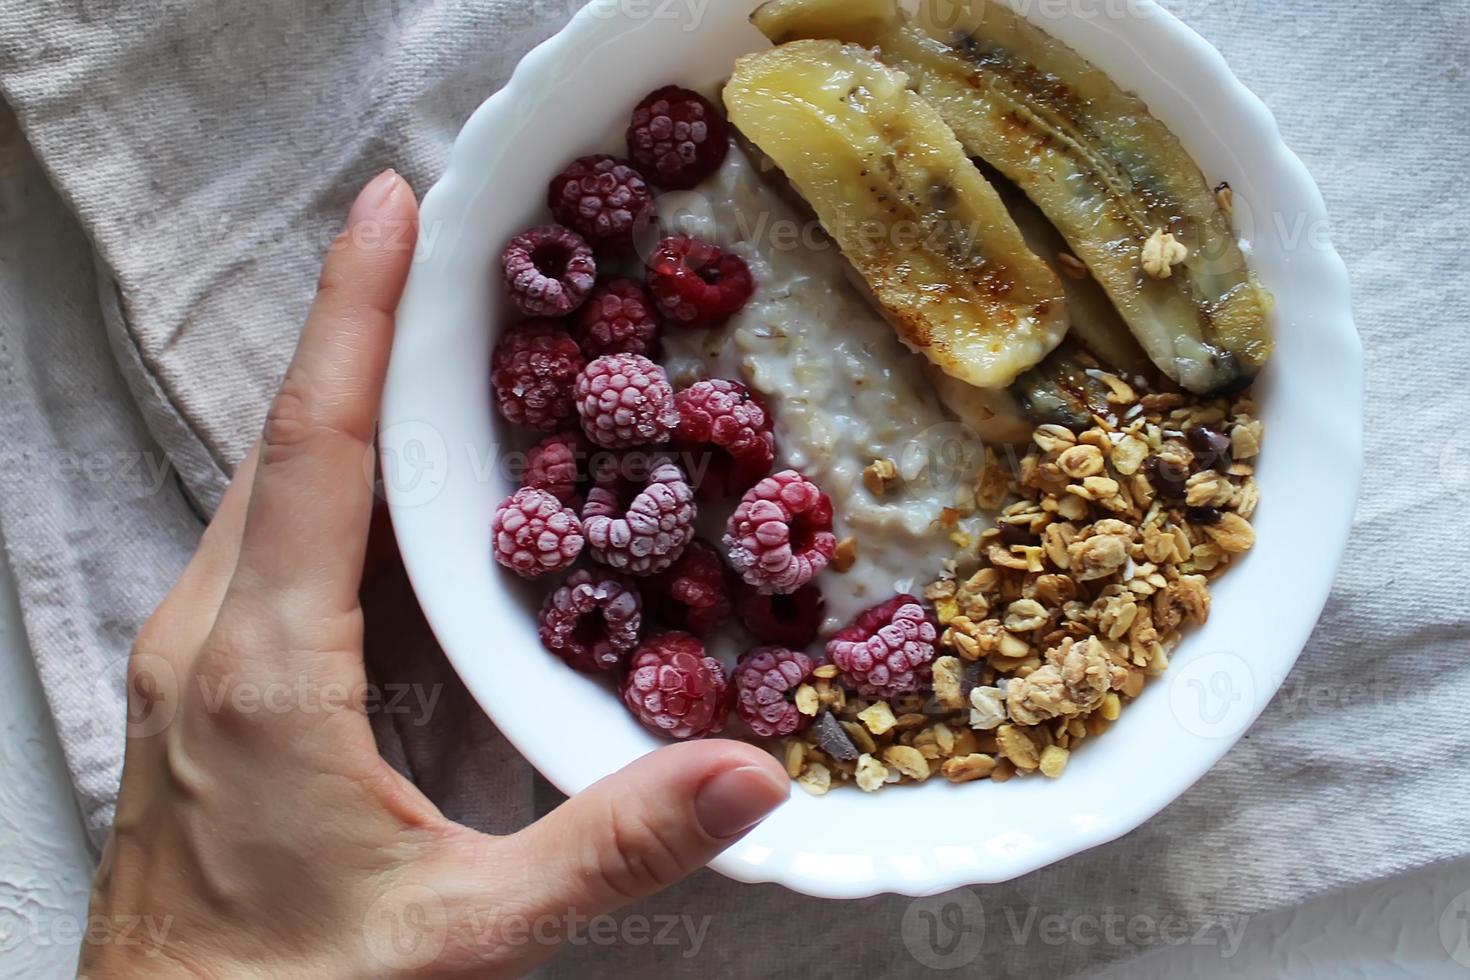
(617, 319)
(693, 593)
(766, 680)
(651, 532)
(625, 400)
(604, 497)
(549, 270)
(674, 689)
(887, 650)
(532, 372)
(603, 199)
(696, 284)
(593, 620)
(535, 534)
(731, 433)
(780, 536)
(554, 465)
(678, 137)
(785, 620)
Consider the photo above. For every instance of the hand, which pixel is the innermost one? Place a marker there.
(278, 842)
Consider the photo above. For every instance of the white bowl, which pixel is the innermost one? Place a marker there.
(440, 443)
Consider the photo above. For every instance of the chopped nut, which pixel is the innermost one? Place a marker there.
(1096, 557)
(794, 757)
(1017, 745)
(1161, 253)
(987, 708)
(1025, 615)
(1081, 461)
(826, 672)
(1053, 761)
(878, 717)
(1055, 541)
(1129, 454)
(1111, 706)
(1208, 489)
(816, 779)
(1099, 487)
(949, 683)
(964, 768)
(870, 774)
(807, 701)
(1245, 440)
(1051, 438)
(880, 473)
(1233, 533)
(944, 737)
(907, 760)
(1119, 391)
(967, 645)
(859, 735)
(993, 484)
(1189, 593)
(1012, 647)
(845, 555)
(830, 695)
(1133, 684)
(1118, 616)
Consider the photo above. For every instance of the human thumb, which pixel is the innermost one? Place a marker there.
(649, 825)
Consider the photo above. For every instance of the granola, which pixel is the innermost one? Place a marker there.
(1051, 621)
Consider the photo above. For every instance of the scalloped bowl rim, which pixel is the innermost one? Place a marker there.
(446, 298)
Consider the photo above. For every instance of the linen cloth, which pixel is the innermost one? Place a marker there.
(206, 153)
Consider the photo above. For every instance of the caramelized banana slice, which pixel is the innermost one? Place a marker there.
(894, 189)
(1106, 173)
(1096, 324)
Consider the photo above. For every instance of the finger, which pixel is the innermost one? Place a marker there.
(647, 826)
(306, 529)
(185, 616)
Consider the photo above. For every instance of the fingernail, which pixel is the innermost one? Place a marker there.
(373, 197)
(735, 800)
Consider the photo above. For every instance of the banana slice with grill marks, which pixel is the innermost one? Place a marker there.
(1106, 173)
(893, 187)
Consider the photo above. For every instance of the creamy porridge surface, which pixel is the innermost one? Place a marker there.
(843, 389)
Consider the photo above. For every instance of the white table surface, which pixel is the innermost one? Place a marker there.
(1415, 926)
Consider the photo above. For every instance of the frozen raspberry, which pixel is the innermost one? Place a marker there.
(535, 535)
(677, 137)
(625, 400)
(555, 464)
(787, 620)
(692, 594)
(780, 536)
(674, 689)
(725, 431)
(550, 270)
(617, 319)
(593, 620)
(887, 649)
(651, 533)
(603, 199)
(696, 284)
(533, 371)
(765, 680)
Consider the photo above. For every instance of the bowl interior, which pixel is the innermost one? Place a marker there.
(443, 459)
